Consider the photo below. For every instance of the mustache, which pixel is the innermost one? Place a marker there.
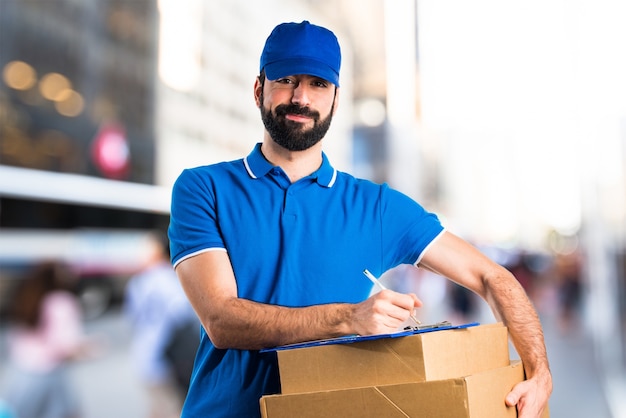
(282, 110)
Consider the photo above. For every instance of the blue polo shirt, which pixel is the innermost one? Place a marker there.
(290, 244)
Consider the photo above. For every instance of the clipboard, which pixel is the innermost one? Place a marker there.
(349, 339)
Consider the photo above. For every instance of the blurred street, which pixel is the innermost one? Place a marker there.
(578, 390)
(108, 386)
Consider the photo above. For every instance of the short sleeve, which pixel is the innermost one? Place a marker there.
(193, 221)
(408, 228)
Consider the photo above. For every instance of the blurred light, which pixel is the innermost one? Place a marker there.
(180, 43)
(371, 112)
(19, 76)
(400, 47)
(563, 244)
(110, 151)
(70, 103)
(53, 85)
(64, 95)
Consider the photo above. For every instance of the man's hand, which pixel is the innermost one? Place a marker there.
(383, 312)
(530, 396)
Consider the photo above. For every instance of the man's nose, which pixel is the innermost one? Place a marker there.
(301, 95)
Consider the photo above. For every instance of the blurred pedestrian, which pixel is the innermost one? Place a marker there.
(45, 334)
(519, 266)
(463, 304)
(166, 330)
(568, 268)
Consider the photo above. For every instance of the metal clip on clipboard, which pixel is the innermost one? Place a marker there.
(425, 327)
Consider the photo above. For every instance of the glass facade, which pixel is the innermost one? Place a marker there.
(77, 95)
(77, 92)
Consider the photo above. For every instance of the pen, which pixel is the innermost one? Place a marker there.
(382, 287)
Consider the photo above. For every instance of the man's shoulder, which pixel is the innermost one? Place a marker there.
(345, 179)
(353, 187)
(213, 170)
(216, 167)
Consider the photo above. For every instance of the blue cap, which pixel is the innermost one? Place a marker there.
(301, 48)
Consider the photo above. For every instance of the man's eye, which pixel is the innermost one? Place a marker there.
(284, 81)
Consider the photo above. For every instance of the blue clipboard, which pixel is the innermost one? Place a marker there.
(349, 339)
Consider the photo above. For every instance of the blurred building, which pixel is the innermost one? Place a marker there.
(77, 98)
(78, 88)
(104, 102)
(77, 134)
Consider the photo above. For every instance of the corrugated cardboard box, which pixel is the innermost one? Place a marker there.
(480, 395)
(415, 358)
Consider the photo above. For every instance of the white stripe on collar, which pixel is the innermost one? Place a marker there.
(248, 169)
(332, 180)
(251, 173)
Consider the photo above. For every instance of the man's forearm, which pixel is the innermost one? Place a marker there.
(511, 305)
(244, 324)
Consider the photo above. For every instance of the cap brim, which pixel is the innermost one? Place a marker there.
(296, 66)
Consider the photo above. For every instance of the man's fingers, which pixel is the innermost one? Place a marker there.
(511, 399)
(417, 303)
(521, 397)
(391, 309)
(516, 393)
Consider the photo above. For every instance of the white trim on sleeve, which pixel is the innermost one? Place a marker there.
(416, 264)
(204, 250)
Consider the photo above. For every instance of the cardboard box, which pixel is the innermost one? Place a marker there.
(416, 358)
(480, 395)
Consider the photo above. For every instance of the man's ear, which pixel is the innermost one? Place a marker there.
(258, 90)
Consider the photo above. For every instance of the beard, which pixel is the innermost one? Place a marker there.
(291, 135)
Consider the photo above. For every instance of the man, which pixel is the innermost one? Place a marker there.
(270, 249)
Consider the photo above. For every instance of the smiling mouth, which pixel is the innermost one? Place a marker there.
(298, 118)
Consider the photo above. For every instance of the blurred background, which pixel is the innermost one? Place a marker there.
(507, 119)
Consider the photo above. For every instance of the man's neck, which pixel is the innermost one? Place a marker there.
(296, 164)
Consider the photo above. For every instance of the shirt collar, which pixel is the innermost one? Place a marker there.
(257, 166)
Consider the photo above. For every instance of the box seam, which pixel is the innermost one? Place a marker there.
(391, 402)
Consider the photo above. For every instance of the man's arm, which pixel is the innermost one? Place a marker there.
(233, 322)
(457, 260)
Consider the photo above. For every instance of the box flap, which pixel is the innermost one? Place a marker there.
(361, 403)
(484, 387)
(441, 399)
